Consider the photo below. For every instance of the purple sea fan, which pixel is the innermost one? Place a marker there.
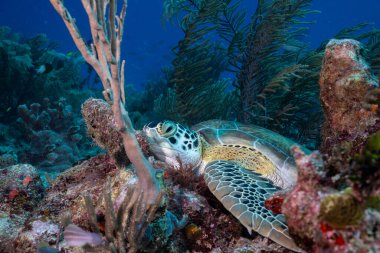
(77, 237)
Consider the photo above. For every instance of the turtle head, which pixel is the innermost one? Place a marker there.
(174, 144)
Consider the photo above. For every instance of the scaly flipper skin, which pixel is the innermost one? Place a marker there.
(243, 192)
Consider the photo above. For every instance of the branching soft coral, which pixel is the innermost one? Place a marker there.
(196, 91)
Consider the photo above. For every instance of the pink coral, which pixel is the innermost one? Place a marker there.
(301, 206)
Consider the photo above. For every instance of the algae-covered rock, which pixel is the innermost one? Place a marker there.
(20, 192)
(345, 80)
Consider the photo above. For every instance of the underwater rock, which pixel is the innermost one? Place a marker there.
(345, 80)
(20, 191)
(20, 187)
(40, 233)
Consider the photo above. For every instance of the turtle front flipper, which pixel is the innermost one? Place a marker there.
(243, 193)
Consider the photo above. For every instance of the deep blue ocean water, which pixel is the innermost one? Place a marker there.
(147, 43)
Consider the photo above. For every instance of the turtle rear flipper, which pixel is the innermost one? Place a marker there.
(243, 193)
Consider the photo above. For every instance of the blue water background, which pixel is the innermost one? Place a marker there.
(147, 43)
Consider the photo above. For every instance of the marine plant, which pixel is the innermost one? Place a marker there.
(124, 228)
(265, 56)
(295, 105)
(196, 90)
(278, 77)
(104, 56)
(277, 73)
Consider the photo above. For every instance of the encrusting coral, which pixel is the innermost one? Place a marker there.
(20, 191)
(324, 219)
(341, 209)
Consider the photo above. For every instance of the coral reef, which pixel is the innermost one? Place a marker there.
(65, 200)
(52, 136)
(188, 218)
(95, 196)
(48, 134)
(345, 80)
(30, 69)
(125, 202)
(301, 206)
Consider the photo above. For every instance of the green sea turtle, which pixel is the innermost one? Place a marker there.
(242, 165)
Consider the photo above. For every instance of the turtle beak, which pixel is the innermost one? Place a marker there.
(151, 133)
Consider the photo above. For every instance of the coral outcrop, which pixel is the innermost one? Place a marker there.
(324, 219)
(55, 134)
(78, 196)
(345, 81)
(334, 206)
(64, 201)
(20, 191)
(100, 123)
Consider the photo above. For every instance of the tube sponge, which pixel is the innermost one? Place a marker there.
(341, 209)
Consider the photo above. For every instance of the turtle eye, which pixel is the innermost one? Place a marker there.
(167, 128)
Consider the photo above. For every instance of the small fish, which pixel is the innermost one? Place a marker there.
(70, 54)
(9, 108)
(77, 237)
(44, 69)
